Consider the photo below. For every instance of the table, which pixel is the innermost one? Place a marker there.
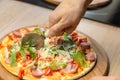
(16, 14)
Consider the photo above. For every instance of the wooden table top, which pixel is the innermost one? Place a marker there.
(15, 14)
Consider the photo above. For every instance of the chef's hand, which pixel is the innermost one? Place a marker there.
(105, 78)
(66, 16)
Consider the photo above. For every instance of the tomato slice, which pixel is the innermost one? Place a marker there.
(48, 72)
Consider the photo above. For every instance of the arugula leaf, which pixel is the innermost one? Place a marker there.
(79, 57)
(55, 65)
(62, 65)
(52, 50)
(12, 56)
(38, 30)
(22, 53)
(32, 52)
(68, 39)
(68, 43)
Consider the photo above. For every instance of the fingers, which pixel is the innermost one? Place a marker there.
(53, 19)
(105, 78)
(55, 30)
(64, 25)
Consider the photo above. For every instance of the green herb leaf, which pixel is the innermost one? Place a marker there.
(68, 43)
(52, 51)
(32, 52)
(38, 30)
(55, 65)
(68, 39)
(62, 65)
(22, 53)
(12, 56)
(79, 57)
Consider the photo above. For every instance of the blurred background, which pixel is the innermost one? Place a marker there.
(108, 13)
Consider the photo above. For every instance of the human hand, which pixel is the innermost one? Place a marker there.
(105, 78)
(66, 16)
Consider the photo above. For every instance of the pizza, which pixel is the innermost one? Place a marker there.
(64, 57)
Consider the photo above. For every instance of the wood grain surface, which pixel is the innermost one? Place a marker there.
(15, 14)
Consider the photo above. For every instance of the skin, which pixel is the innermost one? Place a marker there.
(66, 17)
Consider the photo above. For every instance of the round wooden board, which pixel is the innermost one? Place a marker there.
(101, 67)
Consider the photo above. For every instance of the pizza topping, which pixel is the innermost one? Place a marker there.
(48, 72)
(17, 34)
(56, 65)
(21, 73)
(83, 39)
(70, 68)
(22, 53)
(90, 57)
(60, 41)
(37, 72)
(7, 61)
(28, 50)
(85, 45)
(68, 43)
(38, 31)
(79, 57)
(12, 56)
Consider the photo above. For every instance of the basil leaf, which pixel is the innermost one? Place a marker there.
(12, 56)
(79, 57)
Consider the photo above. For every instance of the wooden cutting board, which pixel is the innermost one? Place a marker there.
(94, 3)
(101, 67)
